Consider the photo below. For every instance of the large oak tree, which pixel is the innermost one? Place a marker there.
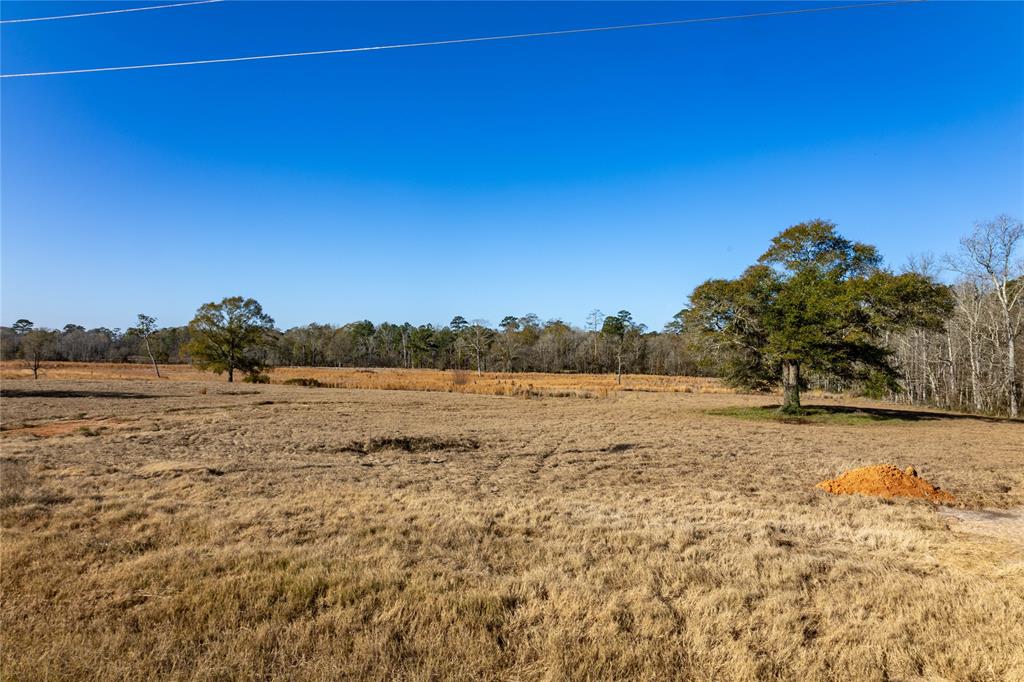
(226, 336)
(814, 301)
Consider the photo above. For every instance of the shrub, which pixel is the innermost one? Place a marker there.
(303, 381)
(256, 378)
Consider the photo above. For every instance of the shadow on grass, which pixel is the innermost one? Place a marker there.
(841, 414)
(62, 393)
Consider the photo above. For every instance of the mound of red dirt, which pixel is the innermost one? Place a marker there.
(885, 480)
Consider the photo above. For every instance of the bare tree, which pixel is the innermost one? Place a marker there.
(594, 320)
(991, 254)
(970, 305)
(479, 337)
(36, 346)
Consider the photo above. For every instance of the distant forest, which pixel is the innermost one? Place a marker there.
(517, 344)
(960, 350)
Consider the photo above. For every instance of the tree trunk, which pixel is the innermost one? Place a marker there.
(156, 367)
(231, 375)
(618, 370)
(1011, 361)
(790, 387)
(975, 371)
(952, 391)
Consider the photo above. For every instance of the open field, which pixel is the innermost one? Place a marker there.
(198, 530)
(486, 383)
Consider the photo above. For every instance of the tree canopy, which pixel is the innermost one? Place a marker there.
(144, 329)
(814, 301)
(624, 335)
(226, 336)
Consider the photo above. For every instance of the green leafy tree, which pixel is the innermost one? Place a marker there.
(623, 334)
(229, 335)
(814, 302)
(422, 345)
(444, 342)
(529, 329)
(509, 340)
(145, 329)
(557, 336)
(458, 325)
(677, 325)
(22, 326)
(362, 336)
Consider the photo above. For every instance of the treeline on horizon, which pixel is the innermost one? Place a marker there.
(517, 344)
(816, 311)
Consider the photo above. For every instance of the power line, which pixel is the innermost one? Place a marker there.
(112, 11)
(458, 41)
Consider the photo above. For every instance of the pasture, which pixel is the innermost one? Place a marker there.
(188, 529)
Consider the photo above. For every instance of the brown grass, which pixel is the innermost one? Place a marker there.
(530, 384)
(293, 533)
(61, 427)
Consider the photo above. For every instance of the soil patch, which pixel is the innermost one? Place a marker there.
(413, 444)
(885, 480)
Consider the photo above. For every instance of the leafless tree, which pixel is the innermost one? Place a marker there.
(594, 321)
(991, 255)
(479, 336)
(36, 346)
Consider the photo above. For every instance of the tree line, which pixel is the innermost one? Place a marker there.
(609, 344)
(815, 311)
(972, 361)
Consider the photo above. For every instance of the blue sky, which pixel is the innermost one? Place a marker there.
(549, 175)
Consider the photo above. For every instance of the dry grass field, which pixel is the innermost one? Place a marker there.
(203, 531)
(487, 383)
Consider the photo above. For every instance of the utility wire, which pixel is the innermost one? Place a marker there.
(459, 41)
(112, 11)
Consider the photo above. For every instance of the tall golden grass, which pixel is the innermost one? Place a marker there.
(461, 381)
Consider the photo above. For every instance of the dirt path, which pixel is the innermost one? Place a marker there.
(1004, 524)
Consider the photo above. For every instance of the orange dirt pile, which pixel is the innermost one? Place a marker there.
(885, 480)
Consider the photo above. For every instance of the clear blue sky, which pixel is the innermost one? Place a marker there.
(549, 175)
